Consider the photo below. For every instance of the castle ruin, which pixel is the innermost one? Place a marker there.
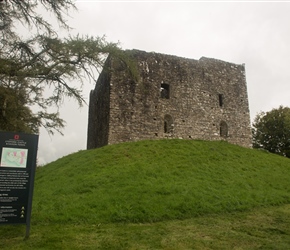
(173, 97)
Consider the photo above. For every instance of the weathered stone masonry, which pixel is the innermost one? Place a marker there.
(173, 98)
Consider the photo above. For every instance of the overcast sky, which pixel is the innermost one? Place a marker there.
(254, 33)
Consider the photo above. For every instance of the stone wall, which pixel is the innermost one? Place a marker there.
(99, 112)
(174, 98)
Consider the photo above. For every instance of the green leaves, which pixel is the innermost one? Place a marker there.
(14, 114)
(271, 131)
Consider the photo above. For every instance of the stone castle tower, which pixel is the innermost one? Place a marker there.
(173, 97)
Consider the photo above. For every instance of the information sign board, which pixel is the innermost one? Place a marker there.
(17, 169)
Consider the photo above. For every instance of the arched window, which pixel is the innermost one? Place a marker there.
(168, 124)
(223, 129)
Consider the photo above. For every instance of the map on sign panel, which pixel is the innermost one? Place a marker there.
(14, 157)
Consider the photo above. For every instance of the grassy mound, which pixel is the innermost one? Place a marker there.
(152, 181)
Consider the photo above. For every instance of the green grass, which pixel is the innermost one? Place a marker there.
(167, 194)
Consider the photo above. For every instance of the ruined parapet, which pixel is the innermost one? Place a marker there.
(173, 97)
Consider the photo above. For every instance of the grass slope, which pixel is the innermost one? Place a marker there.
(152, 181)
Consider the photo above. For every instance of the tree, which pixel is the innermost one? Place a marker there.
(271, 131)
(42, 63)
(14, 114)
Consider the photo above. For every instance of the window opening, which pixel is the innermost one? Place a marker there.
(168, 124)
(223, 129)
(221, 100)
(164, 91)
(166, 130)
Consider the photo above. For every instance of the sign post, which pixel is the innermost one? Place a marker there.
(17, 170)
